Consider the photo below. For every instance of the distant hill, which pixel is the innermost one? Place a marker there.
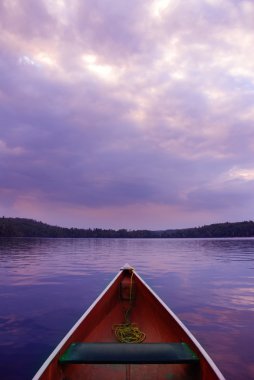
(219, 230)
(21, 227)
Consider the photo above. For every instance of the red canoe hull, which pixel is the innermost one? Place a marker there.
(150, 314)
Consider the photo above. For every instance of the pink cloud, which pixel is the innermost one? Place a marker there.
(119, 107)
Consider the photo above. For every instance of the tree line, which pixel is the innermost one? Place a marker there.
(21, 227)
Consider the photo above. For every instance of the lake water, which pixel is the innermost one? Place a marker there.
(46, 284)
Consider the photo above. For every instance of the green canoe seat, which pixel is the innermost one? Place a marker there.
(122, 353)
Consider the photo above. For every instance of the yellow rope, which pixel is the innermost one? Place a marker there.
(132, 273)
(128, 332)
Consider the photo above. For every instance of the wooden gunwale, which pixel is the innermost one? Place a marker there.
(51, 357)
(186, 330)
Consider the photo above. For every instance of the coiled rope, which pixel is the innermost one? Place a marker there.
(128, 332)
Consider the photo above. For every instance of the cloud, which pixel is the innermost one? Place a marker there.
(145, 104)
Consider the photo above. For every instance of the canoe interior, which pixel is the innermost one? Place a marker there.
(152, 318)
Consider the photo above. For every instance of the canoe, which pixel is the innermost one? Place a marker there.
(129, 333)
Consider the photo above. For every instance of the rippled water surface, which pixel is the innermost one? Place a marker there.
(46, 284)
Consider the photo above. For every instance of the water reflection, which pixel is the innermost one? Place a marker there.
(45, 285)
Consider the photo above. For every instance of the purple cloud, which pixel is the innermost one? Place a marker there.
(111, 106)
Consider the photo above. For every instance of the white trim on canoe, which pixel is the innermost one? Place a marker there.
(194, 340)
(68, 335)
(172, 314)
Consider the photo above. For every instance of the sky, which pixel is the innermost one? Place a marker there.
(127, 114)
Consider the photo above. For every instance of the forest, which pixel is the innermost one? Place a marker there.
(22, 227)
